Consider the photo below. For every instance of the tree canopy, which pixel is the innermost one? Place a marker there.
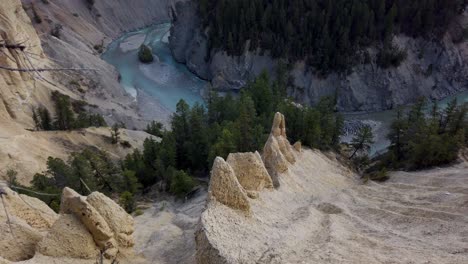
(420, 140)
(329, 34)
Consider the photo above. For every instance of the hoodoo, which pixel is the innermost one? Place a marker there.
(278, 153)
(85, 228)
(322, 213)
(240, 180)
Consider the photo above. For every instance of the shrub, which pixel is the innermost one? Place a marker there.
(379, 176)
(115, 133)
(11, 177)
(56, 31)
(138, 212)
(390, 56)
(90, 4)
(181, 183)
(145, 55)
(125, 144)
(127, 201)
(99, 47)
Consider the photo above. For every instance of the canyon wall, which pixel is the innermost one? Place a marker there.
(433, 69)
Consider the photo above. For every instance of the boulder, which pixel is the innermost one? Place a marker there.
(68, 238)
(121, 223)
(73, 203)
(298, 146)
(206, 253)
(225, 187)
(19, 245)
(27, 217)
(250, 171)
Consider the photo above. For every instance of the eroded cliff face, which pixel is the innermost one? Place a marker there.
(18, 91)
(82, 28)
(21, 148)
(84, 228)
(433, 69)
(320, 212)
(84, 33)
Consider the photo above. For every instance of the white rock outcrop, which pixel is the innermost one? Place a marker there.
(120, 223)
(68, 237)
(278, 154)
(85, 227)
(28, 218)
(225, 187)
(323, 213)
(250, 171)
(237, 182)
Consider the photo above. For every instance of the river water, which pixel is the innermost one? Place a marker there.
(168, 81)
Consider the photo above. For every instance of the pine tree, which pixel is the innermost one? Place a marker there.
(115, 133)
(246, 123)
(46, 120)
(397, 136)
(155, 128)
(65, 118)
(224, 145)
(181, 131)
(362, 141)
(197, 145)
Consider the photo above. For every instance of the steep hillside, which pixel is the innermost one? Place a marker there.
(434, 68)
(26, 151)
(321, 213)
(83, 33)
(18, 91)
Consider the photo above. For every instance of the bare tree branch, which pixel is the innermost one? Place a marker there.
(22, 48)
(13, 46)
(44, 69)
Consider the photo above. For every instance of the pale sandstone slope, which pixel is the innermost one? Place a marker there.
(321, 213)
(26, 151)
(17, 90)
(165, 233)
